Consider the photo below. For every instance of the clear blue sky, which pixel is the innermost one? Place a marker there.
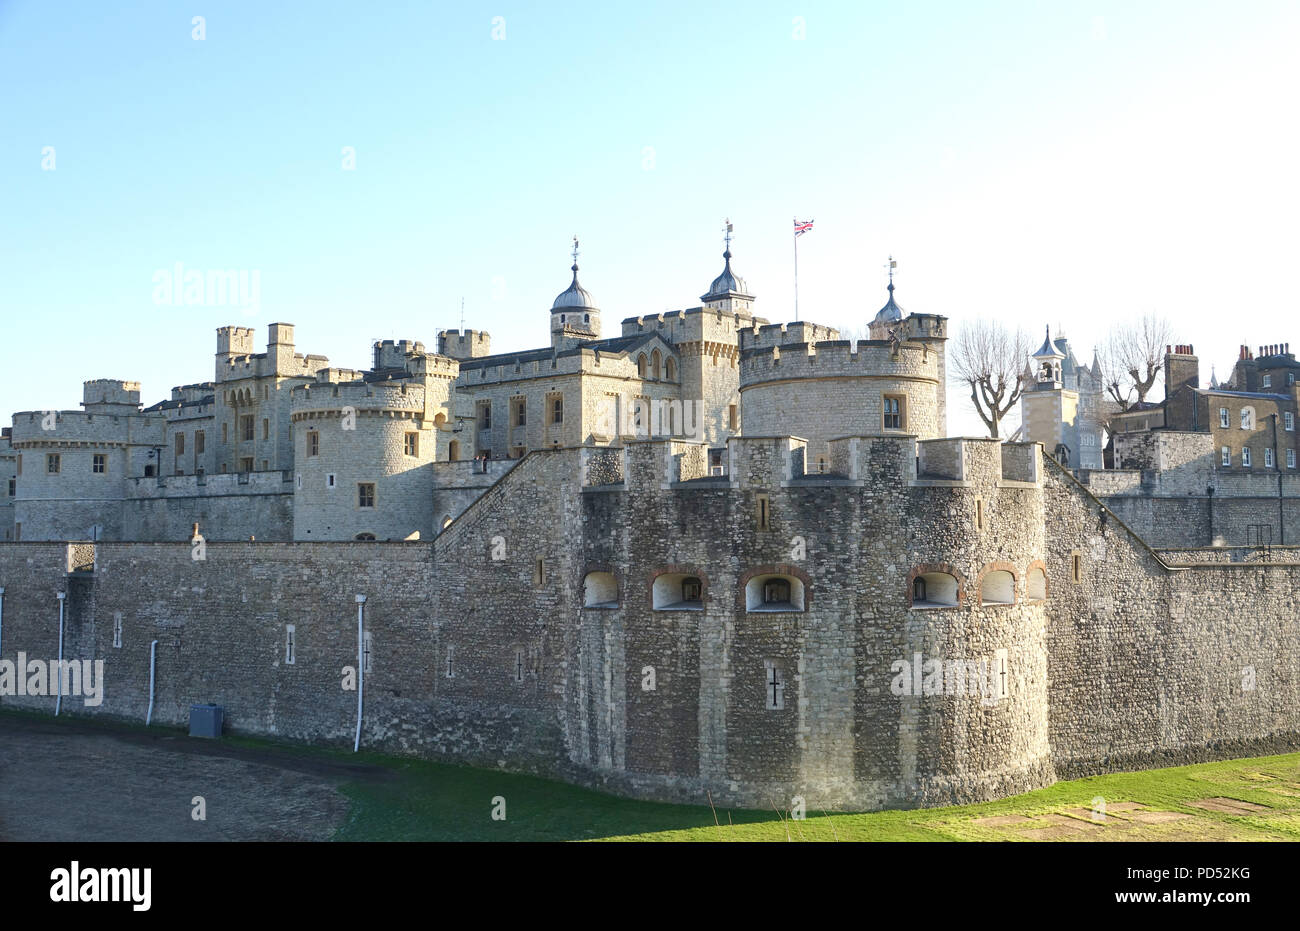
(1071, 163)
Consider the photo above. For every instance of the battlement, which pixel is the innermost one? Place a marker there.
(838, 358)
(391, 354)
(234, 341)
(766, 462)
(110, 393)
(87, 428)
(363, 397)
(786, 334)
(691, 324)
(467, 344)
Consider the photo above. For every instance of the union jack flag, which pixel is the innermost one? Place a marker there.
(801, 227)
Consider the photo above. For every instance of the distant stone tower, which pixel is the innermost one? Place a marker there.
(575, 318)
(1062, 406)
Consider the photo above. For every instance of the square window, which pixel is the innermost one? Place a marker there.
(365, 494)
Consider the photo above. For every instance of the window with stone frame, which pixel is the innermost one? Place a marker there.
(289, 651)
(485, 415)
(1268, 457)
(1245, 457)
(99, 463)
(894, 418)
(313, 443)
(520, 406)
(1290, 458)
(1248, 418)
(53, 463)
(557, 408)
(246, 427)
(1226, 454)
(1289, 419)
(199, 442)
(179, 440)
(246, 464)
(1268, 381)
(1223, 417)
(365, 494)
(411, 444)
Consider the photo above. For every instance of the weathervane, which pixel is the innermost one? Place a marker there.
(892, 265)
(575, 251)
(727, 234)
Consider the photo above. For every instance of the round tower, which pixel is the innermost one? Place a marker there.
(575, 317)
(364, 453)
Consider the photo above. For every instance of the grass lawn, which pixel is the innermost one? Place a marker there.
(390, 798)
(1252, 799)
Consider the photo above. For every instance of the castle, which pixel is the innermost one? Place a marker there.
(709, 558)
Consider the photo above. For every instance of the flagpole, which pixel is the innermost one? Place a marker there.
(796, 270)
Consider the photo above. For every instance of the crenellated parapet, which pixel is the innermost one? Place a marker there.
(787, 359)
(785, 334)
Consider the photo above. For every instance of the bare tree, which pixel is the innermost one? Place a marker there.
(1132, 357)
(991, 362)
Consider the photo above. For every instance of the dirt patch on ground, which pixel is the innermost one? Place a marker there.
(68, 780)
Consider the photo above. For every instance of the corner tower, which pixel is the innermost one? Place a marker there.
(728, 291)
(575, 318)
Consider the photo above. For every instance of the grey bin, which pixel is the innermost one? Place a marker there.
(205, 720)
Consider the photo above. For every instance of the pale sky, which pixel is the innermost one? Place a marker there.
(1071, 164)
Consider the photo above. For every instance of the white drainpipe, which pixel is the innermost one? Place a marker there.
(361, 664)
(153, 655)
(58, 696)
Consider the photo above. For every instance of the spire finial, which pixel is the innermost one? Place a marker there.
(726, 238)
(575, 255)
(892, 266)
